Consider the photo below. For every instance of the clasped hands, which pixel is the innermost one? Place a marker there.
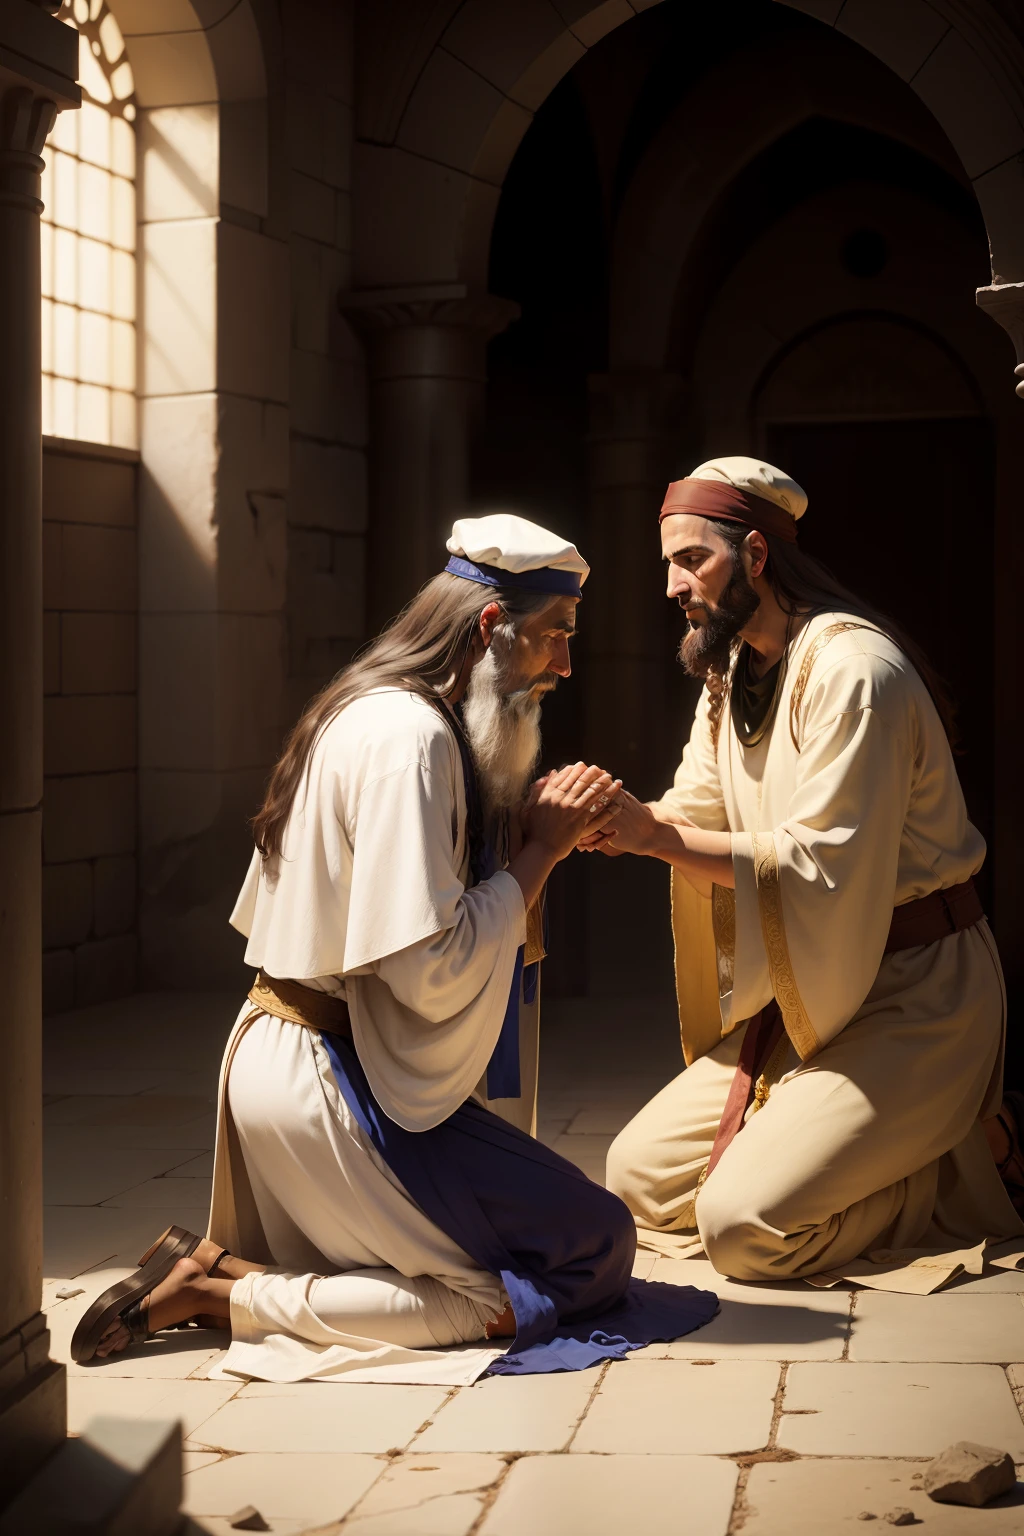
(582, 806)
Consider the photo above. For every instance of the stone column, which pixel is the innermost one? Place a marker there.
(427, 355)
(38, 66)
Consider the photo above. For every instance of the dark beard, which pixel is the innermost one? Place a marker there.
(707, 647)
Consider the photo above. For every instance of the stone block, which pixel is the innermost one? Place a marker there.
(328, 398)
(822, 10)
(174, 68)
(58, 981)
(328, 487)
(104, 969)
(53, 544)
(179, 272)
(538, 1414)
(287, 1419)
(237, 51)
(98, 652)
(318, 276)
(591, 22)
(177, 495)
(98, 569)
(523, 52)
(327, 591)
(89, 815)
(33, 1424)
(243, 155)
(67, 904)
(252, 664)
(311, 205)
(252, 304)
(254, 445)
(51, 653)
(121, 1477)
(317, 1488)
(343, 238)
(178, 696)
(664, 1407)
(608, 1495)
(115, 896)
(179, 149)
(412, 216)
(80, 488)
(449, 113)
(252, 554)
(504, 135)
(901, 36)
(336, 146)
(89, 733)
(966, 99)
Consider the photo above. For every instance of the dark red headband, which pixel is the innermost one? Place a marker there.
(712, 498)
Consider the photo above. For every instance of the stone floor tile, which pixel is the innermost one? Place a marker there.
(824, 1498)
(1015, 1376)
(120, 1109)
(993, 1280)
(643, 1264)
(610, 1495)
(90, 1174)
(887, 1326)
(163, 1194)
(671, 1407)
(191, 1401)
(755, 1322)
(321, 1416)
(313, 1486)
(512, 1413)
(72, 1081)
(419, 1495)
(77, 1238)
(587, 1152)
(198, 1167)
(191, 1461)
(897, 1410)
(220, 1525)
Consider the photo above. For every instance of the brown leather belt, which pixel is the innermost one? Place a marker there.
(301, 1005)
(923, 921)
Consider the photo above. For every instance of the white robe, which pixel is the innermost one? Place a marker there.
(368, 901)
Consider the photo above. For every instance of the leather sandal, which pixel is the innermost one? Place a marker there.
(124, 1300)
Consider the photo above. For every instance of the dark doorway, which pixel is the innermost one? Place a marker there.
(902, 512)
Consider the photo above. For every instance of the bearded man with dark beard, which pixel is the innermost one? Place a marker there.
(840, 996)
(391, 908)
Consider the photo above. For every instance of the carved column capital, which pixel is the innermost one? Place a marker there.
(448, 304)
(1005, 303)
(25, 120)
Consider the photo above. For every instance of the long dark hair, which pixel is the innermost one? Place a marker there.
(423, 650)
(800, 583)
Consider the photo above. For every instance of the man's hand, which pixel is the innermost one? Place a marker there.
(564, 805)
(634, 830)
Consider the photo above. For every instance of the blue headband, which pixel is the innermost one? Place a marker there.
(545, 579)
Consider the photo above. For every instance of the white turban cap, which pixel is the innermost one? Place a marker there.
(504, 550)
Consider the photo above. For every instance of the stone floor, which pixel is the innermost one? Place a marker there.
(793, 1412)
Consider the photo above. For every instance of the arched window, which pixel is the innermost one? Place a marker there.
(88, 244)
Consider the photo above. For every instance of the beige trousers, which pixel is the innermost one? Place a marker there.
(873, 1144)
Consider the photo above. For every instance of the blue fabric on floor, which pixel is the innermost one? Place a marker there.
(562, 1245)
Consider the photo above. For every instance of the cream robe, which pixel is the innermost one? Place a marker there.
(849, 806)
(366, 901)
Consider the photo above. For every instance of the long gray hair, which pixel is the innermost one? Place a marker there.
(423, 650)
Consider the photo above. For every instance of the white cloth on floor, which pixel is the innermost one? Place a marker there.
(309, 1190)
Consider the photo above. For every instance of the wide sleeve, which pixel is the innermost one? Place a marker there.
(814, 895)
(429, 963)
(697, 788)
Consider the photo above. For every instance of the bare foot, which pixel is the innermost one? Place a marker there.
(504, 1326)
(174, 1300)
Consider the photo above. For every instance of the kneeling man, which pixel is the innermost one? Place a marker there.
(840, 994)
(366, 1201)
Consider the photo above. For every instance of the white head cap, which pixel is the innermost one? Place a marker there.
(503, 550)
(756, 477)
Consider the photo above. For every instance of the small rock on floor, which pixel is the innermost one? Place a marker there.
(866, 1514)
(248, 1519)
(900, 1516)
(970, 1474)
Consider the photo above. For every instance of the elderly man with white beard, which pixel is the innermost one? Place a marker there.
(392, 910)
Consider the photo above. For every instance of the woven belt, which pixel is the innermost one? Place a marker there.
(923, 921)
(301, 1005)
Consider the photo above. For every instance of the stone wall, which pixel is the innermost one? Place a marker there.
(90, 754)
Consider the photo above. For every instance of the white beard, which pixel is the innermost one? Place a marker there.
(503, 729)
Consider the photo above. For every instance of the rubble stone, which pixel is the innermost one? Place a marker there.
(966, 1473)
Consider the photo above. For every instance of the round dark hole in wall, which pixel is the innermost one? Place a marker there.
(864, 253)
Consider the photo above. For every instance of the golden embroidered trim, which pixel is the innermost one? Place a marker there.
(771, 1074)
(814, 650)
(780, 968)
(723, 921)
